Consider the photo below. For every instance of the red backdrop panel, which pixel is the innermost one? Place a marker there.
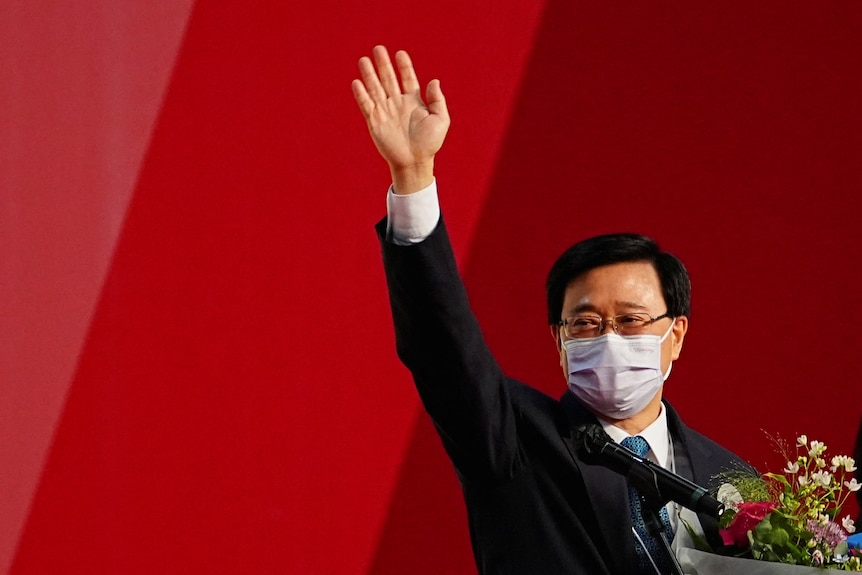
(237, 405)
(81, 91)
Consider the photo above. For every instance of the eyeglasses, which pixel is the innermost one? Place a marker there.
(623, 324)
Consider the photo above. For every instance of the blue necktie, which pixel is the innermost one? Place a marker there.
(641, 447)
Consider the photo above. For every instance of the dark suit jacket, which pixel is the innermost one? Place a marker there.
(534, 506)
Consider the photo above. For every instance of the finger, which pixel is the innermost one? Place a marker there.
(370, 80)
(409, 81)
(385, 71)
(366, 104)
(435, 100)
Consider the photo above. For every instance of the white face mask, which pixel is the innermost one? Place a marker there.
(615, 375)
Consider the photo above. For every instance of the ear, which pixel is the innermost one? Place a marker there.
(555, 334)
(677, 334)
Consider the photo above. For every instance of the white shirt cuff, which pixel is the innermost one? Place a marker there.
(412, 217)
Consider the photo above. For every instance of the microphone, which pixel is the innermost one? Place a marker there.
(650, 479)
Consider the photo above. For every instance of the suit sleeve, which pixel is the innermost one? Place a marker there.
(439, 340)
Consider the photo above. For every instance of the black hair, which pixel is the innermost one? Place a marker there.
(616, 248)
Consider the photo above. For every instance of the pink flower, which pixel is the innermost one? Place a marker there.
(748, 515)
(829, 533)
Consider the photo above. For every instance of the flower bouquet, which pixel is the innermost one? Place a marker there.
(792, 518)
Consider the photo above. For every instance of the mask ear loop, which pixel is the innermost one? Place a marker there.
(667, 333)
(666, 374)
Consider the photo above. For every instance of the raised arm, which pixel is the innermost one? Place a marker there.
(437, 336)
(407, 130)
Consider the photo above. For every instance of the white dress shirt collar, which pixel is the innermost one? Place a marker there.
(656, 435)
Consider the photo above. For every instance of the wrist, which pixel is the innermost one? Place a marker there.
(410, 179)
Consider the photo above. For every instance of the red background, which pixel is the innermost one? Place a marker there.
(197, 371)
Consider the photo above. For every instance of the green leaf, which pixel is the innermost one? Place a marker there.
(700, 542)
(726, 518)
(780, 536)
(779, 478)
(841, 549)
(763, 533)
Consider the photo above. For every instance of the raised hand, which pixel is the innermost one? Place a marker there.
(407, 131)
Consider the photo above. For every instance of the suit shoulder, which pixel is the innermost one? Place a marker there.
(708, 457)
(536, 410)
(530, 398)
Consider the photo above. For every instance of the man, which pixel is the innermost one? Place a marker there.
(617, 309)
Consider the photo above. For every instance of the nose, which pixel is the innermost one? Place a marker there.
(608, 326)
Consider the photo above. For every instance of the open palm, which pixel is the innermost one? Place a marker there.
(407, 131)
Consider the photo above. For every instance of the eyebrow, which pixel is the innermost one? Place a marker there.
(584, 307)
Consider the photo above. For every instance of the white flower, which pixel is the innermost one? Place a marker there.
(848, 525)
(817, 558)
(803, 481)
(822, 478)
(820, 462)
(791, 467)
(817, 447)
(802, 441)
(729, 495)
(848, 463)
(852, 485)
(838, 558)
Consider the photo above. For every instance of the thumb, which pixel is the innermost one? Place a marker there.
(436, 100)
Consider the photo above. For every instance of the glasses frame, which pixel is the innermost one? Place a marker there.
(614, 325)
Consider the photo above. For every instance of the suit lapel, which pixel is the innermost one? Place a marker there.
(701, 467)
(608, 495)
